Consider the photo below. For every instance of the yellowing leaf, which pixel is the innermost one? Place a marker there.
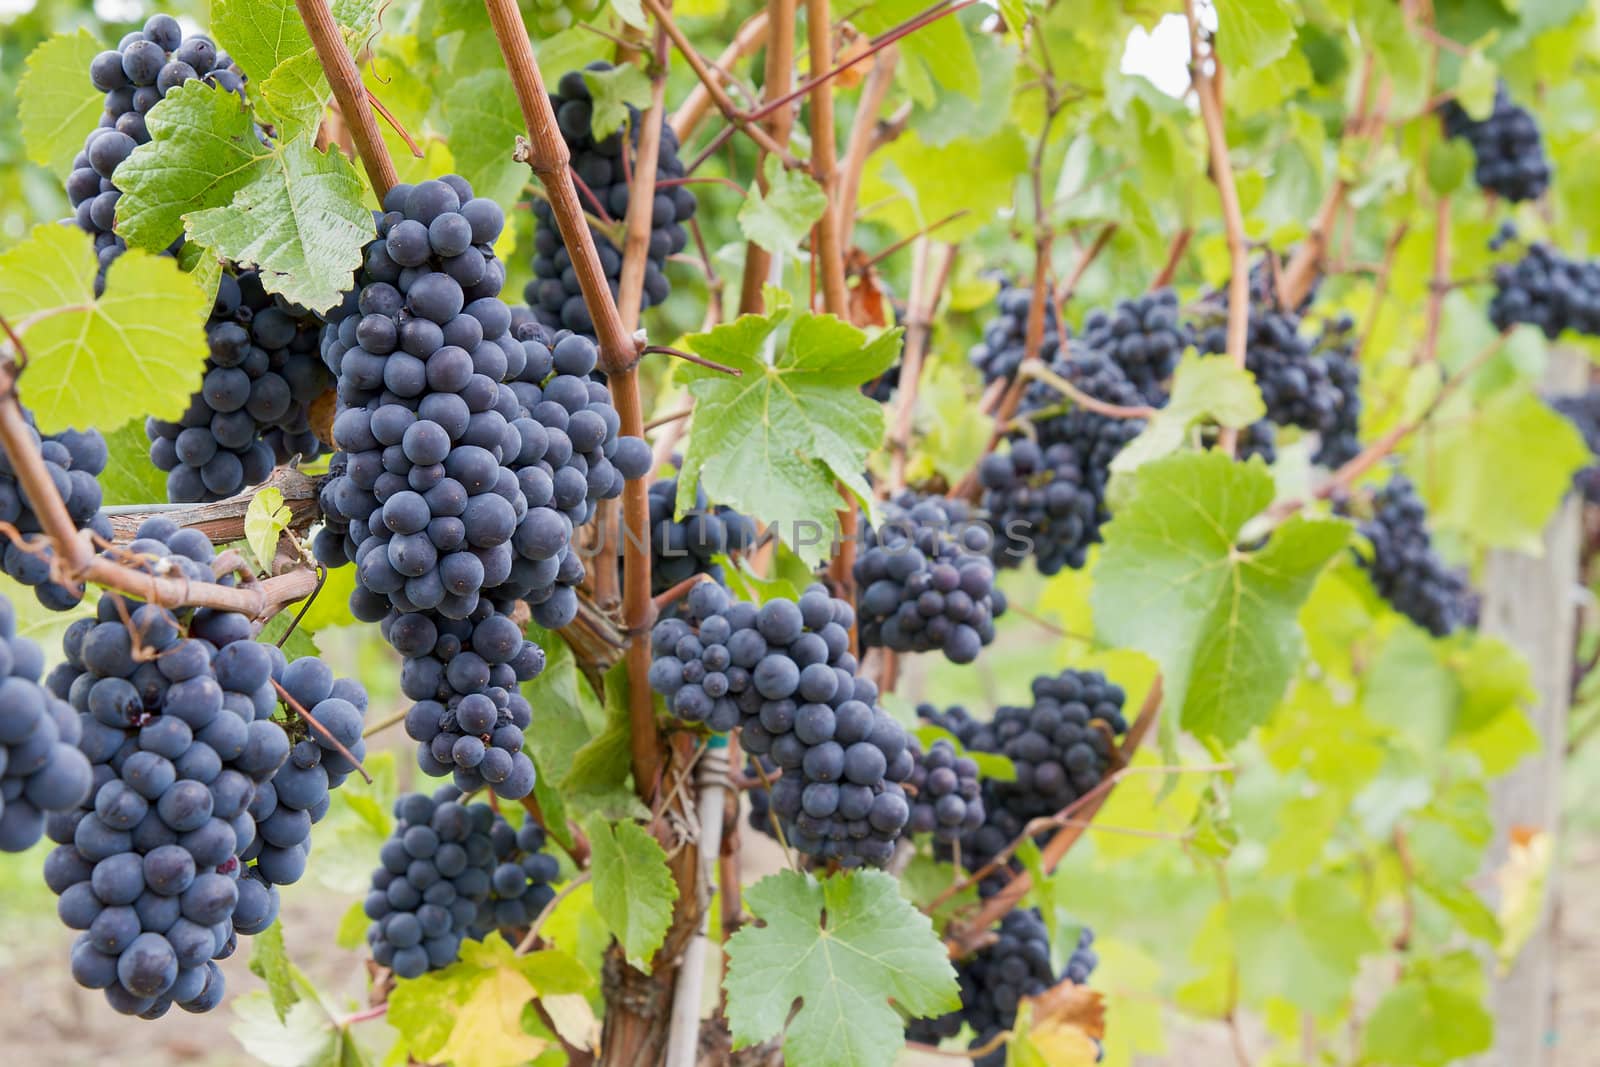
(56, 101)
(265, 518)
(488, 1026)
(89, 356)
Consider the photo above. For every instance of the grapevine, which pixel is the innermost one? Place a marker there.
(1121, 596)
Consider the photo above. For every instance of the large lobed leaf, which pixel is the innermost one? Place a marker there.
(285, 207)
(144, 337)
(56, 101)
(845, 947)
(775, 441)
(1220, 619)
(633, 888)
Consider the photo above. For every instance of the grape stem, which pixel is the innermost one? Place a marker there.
(1087, 806)
(1207, 86)
(690, 357)
(779, 75)
(928, 286)
(1175, 254)
(394, 124)
(862, 128)
(713, 85)
(327, 735)
(752, 35)
(677, 591)
(344, 77)
(1039, 371)
(1429, 350)
(1063, 295)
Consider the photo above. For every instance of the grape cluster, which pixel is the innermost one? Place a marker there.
(1040, 505)
(1404, 567)
(1583, 411)
(253, 408)
(452, 870)
(1142, 336)
(682, 548)
(926, 581)
(1061, 745)
(467, 458)
(1509, 154)
(1548, 290)
(602, 167)
(1339, 439)
(785, 673)
(74, 460)
(948, 796)
(1000, 352)
(994, 981)
(135, 76)
(1046, 493)
(41, 769)
(1259, 439)
(1300, 385)
(200, 804)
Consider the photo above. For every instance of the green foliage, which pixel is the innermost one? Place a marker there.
(88, 354)
(633, 887)
(842, 945)
(1175, 582)
(472, 1012)
(1203, 389)
(285, 207)
(778, 219)
(269, 961)
(264, 521)
(56, 102)
(773, 441)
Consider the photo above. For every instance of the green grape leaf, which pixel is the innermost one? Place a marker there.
(470, 1014)
(295, 94)
(939, 51)
(631, 12)
(130, 477)
(259, 34)
(1204, 388)
(269, 961)
(1475, 85)
(596, 780)
(1496, 473)
(264, 520)
(613, 91)
(1426, 1024)
(845, 947)
(485, 121)
(143, 337)
(633, 889)
(352, 933)
(286, 208)
(1258, 32)
(773, 442)
(778, 219)
(1449, 165)
(306, 1036)
(1220, 619)
(56, 102)
(580, 746)
(916, 184)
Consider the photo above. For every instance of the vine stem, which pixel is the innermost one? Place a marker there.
(752, 35)
(1207, 88)
(1063, 295)
(1039, 372)
(713, 85)
(1440, 284)
(1089, 806)
(1380, 288)
(1175, 253)
(1010, 394)
(919, 328)
(344, 77)
(828, 253)
(546, 153)
(860, 143)
(779, 76)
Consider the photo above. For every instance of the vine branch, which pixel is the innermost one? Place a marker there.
(344, 78)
